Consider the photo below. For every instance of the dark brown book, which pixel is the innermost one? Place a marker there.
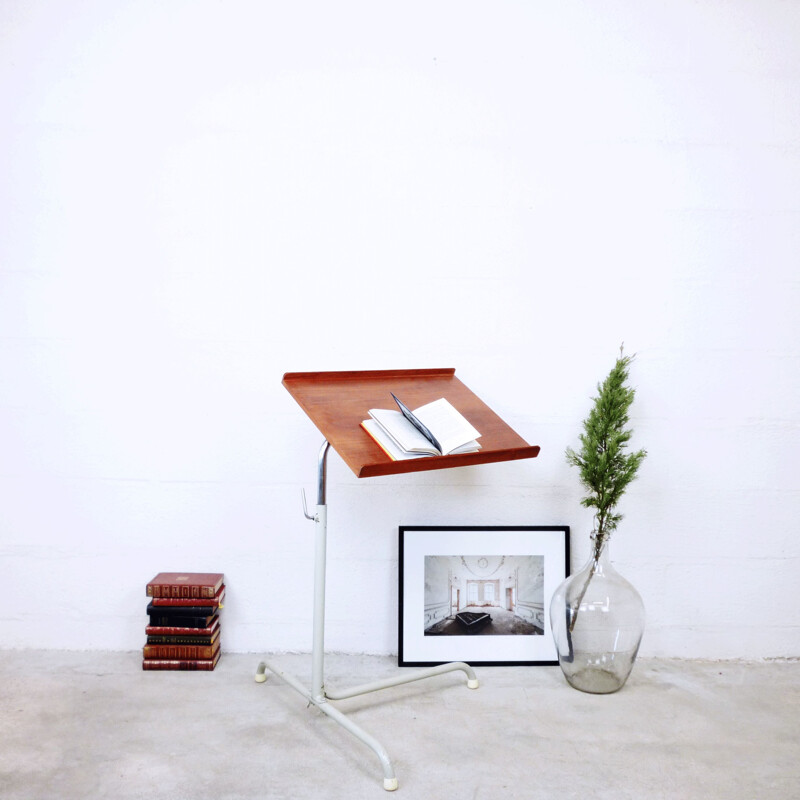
(188, 664)
(180, 621)
(180, 611)
(201, 640)
(185, 584)
(181, 651)
(171, 630)
(180, 602)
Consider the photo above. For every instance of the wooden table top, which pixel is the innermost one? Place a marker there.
(338, 402)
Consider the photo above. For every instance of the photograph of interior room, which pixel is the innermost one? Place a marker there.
(506, 591)
(199, 197)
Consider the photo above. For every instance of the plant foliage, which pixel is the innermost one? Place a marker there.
(605, 468)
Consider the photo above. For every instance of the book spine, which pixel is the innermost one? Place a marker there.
(206, 664)
(201, 640)
(172, 602)
(168, 590)
(161, 620)
(170, 630)
(180, 611)
(180, 652)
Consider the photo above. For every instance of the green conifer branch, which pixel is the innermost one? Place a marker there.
(605, 468)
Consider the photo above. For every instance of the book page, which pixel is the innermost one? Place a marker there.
(402, 431)
(387, 443)
(417, 423)
(449, 426)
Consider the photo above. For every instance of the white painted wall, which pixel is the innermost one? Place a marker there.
(199, 196)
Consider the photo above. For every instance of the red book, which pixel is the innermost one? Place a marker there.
(211, 602)
(171, 630)
(185, 584)
(196, 664)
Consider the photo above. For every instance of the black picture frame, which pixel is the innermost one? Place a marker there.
(452, 577)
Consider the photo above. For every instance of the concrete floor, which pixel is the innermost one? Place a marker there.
(94, 725)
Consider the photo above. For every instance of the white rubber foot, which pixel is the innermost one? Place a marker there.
(390, 784)
(473, 684)
(261, 677)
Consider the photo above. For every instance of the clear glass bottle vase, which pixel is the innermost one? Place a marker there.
(597, 619)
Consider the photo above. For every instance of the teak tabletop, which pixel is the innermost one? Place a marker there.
(338, 402)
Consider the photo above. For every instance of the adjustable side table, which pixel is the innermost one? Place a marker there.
(337, 402)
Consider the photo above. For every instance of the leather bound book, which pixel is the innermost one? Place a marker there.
(177, 621)
(181, 652)
(207, 602)
(199, 664)
(185, 584)
(176, 630)
(167, 639)
(180, 611)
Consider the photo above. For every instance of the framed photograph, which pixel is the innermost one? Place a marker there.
(479, 594)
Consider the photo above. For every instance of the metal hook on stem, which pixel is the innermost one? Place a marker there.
(305, 507)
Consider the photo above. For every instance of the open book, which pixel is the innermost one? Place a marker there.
(434, 429)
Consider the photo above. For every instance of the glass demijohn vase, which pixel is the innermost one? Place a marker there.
(597, 619)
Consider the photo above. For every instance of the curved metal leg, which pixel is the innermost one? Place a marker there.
(472, 680)
(389, 779)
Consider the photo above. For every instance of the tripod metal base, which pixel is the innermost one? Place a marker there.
(318, 695)
(389, 778)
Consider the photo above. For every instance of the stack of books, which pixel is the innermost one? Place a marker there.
(184, 629)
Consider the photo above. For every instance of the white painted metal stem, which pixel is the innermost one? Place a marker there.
(320, 558)
(318, 644)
